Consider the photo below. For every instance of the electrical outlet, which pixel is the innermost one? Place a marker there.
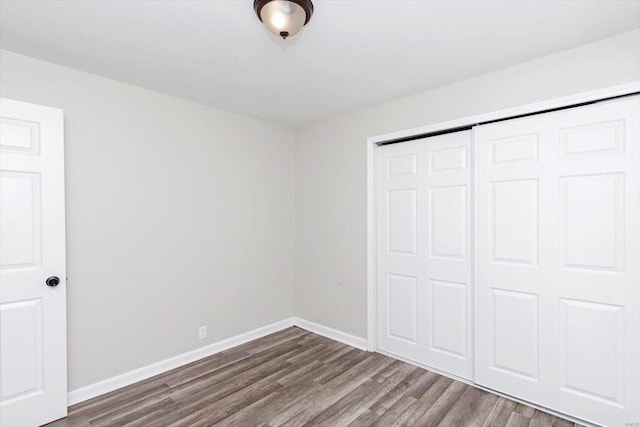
(202, 332)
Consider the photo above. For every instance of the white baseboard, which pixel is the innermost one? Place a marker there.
(331, 333)
(128, 378)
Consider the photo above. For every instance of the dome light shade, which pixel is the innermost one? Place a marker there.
(284, 18)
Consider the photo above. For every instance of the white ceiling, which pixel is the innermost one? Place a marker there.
(352, 54)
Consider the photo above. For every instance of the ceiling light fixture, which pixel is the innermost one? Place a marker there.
(284, 18)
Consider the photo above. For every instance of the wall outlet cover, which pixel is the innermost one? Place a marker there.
(202, 332)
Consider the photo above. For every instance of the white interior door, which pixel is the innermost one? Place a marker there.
(424, 251)
(557, 260)
(33, 364)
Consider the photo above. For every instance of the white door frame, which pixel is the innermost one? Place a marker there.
(619, 90)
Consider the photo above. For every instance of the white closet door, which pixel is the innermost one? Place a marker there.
(557, 260)
(424, 250)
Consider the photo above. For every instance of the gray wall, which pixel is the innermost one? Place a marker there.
(330, 165)
(178, 215)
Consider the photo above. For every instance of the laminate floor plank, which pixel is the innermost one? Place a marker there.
(316, 402)
(339, 355)
(131, 413)
(251, 346)
(410, 374)
(561, 422)
(207, 402)
(541, 419)
(154, 417)
(117, 401)
(434, 411)
(297, 378)
(335, 349)
(306, 372)
(355, 403)
(230, 379)
(72, 420)
(269, 407)
(525, 410)
(426, 406)
(472, 406)
(226, 407)
(367, 418)
(424, 383)
(191, 372)
(341, 365)
(500, 413)
(388, 370)
(517, 419)
(307, 356)
(345, 410)
(277, 340)
(368, 367)
(393, 413)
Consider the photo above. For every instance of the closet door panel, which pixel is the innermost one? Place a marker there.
(508, 322)
(448, 253)
(557, 250)
(424, 252)
(401, 231)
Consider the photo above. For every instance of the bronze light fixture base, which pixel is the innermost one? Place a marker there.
(283, 17)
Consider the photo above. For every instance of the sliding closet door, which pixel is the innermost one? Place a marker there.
(424, 267)
(557, 260)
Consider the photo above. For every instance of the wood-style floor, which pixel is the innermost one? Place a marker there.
(296, 378)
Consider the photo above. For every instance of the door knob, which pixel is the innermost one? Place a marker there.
(53, 281)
